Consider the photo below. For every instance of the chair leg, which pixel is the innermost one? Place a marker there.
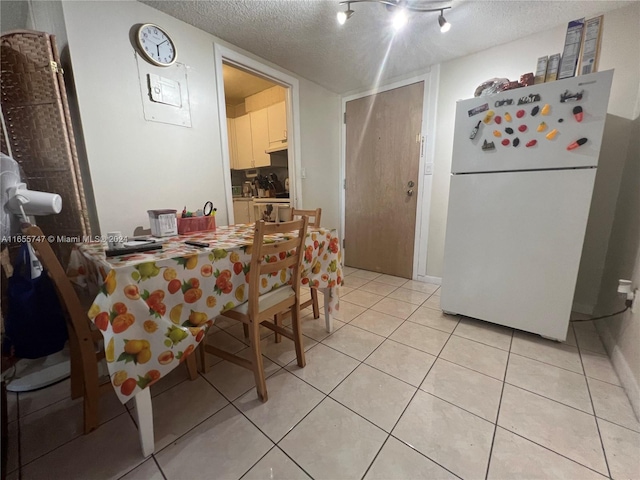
(192, 366)
(256, 361)
(297, 334)
(75, 366)
(245, 329)
(316, 308)
(204, 366)
(91, 401)
(277, 319)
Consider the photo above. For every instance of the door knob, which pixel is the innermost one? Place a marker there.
(410, 184)
(409, 192)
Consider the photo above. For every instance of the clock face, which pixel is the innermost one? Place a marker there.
(156, 45)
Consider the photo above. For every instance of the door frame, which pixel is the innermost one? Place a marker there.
(232, 57)
(425, 168)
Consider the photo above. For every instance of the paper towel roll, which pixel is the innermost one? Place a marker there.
(33, 202)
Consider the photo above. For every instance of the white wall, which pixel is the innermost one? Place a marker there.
(460, 77)
(138, 165)
(320, 140)
(621, 334)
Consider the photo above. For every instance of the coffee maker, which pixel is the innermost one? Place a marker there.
(247, 188)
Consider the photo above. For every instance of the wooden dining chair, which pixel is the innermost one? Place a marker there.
(85, 341)
(261, 309)
(314, 221)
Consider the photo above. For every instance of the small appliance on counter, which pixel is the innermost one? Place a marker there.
(163, 222)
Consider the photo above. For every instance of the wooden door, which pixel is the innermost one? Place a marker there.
(383, 153)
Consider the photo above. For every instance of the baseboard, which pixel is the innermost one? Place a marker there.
(429, 279)
(582, 308)
(621, 366)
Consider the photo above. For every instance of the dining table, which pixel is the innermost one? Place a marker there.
(153, 308)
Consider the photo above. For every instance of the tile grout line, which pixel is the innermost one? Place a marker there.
(403, 412)
(604, 452)
(550, 450)
(495, 427)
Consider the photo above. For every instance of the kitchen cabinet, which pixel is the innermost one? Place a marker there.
(244, 145)
(243, 211)
(277, 115)
(260, 137)
(233, 147)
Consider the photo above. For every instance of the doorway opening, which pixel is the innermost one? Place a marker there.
(259, 112)
(258, 149)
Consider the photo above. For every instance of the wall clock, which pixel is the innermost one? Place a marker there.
(155, 45)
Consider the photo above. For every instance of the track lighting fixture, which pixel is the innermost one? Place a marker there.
(444, 25)
(344, 16)
(399, 9)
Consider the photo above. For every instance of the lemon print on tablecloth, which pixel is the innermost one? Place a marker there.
(240, 293)
(176, 313)
(234, 257)
(109, 352)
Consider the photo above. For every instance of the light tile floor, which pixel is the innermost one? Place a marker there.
(398, 391)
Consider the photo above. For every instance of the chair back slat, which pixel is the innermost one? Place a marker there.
(312, 214)
(283, 246)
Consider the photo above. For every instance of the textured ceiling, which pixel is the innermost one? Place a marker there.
(304, 37)
(239, 84)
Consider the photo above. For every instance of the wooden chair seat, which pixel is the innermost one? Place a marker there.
(261, 309)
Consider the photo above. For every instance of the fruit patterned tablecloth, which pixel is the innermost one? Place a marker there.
(154, 308)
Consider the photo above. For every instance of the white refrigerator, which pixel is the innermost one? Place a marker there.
(522, 175)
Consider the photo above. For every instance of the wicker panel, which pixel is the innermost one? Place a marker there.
(36, 112)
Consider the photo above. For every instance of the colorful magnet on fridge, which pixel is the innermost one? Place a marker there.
(498, 119)
(474, 132)
(488, 116)
(535, 110)
(507, 117)
(552, 134)
(488, 146)
(578, 113)
(546, 109)
(531, 143)
(577, 144)
(571, 97)
(497, 133)
(560, 120)
(516, 142)
(520, 113)
(542, 127)
(522, 128)
(505, 142)
(509, 130)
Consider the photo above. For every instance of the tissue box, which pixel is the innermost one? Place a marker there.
(163, 223)
(196, 224)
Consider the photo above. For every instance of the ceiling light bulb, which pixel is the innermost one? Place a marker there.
(399, 19)
(346, 15)
(444, 25)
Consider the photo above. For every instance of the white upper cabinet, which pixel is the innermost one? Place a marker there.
(260, 137)
(277, 114)
(233, 147)
(244, 144)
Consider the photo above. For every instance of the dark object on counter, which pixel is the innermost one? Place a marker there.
(277, 184)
